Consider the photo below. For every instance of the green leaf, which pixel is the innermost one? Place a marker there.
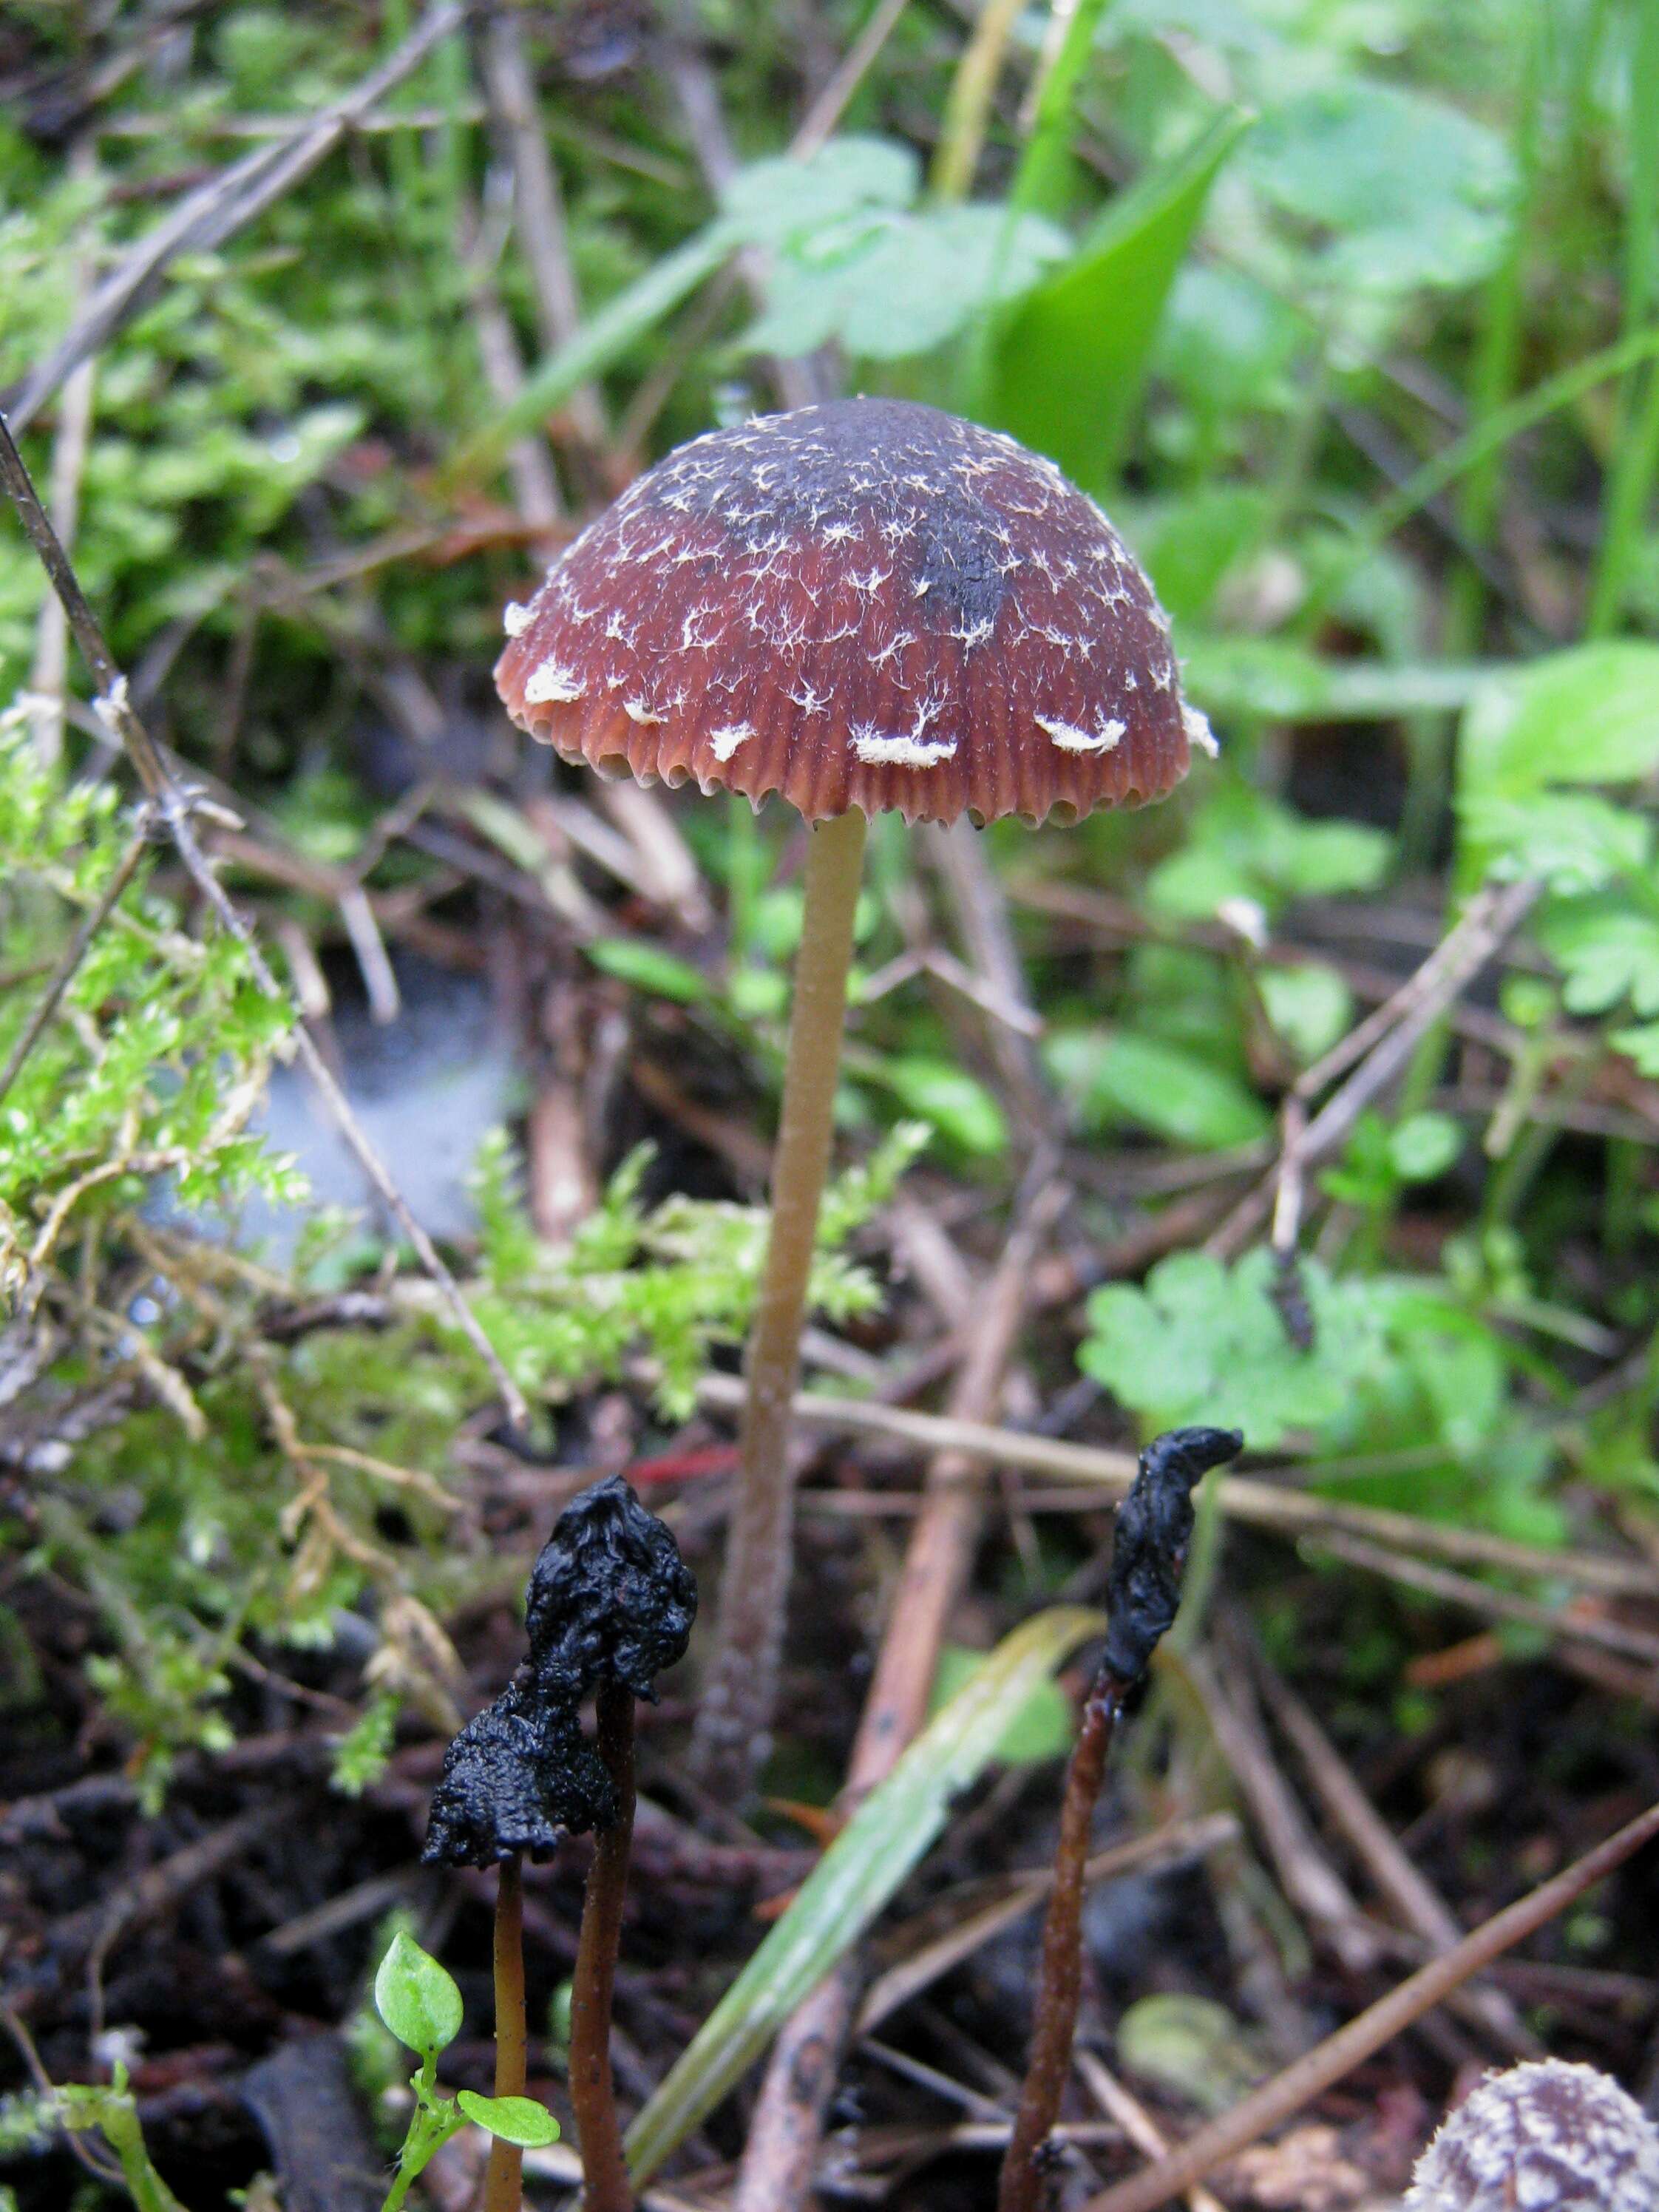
(518, 2120)
(1044, 1728)
(781, 200)
(417, 1998)
(1607, 951)
(1423, 1146)
(890, 286)
(1066, 369)
(886, 1837)
(1575, 841)
(1588, 715)
(1190, 2046)
(1241, 844)
(1641, 1045)
(1310, 1007)
(1411, 190)
(1285, 682)
(635, 960)
(957, 1104)
(1203, 1342)
(1115, 1076)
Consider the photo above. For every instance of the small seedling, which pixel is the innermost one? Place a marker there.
(422, 2006)
(1149, 1556)
(112, 2111)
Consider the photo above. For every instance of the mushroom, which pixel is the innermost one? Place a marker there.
(863, 605)
(1549, 2136)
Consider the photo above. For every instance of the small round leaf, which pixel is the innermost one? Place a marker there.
(518, 2120)
(416, 1999)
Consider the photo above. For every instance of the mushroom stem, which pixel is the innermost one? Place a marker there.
(606, 2186)
(736, 1707)
(503, 2176)
(1060, 1977)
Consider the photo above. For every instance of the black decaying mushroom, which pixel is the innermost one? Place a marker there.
(609, 1605)
(1149, 1556)
(863, 605)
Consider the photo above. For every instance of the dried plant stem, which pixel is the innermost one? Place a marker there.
(606, 2186)
(1060, 1978)
(736, 1707)
(503, 2176)
(1282, 2098)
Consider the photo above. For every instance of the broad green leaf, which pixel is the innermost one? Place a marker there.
(957, 1103)
(1575, 841)
(1187, 544)
(886, 1837)
(1190, 2046)
(648, 967)
(1423, 1146)
(1310, 1007)
(781, 200)
(888, 286)
(1115, 1076)
(1588, 715)
(1066, 369)
(417, 1998)
(1204, 1342)
(1242, 844)
(1285, 682)
(1607, 950)
(518, 2120)
(1411, 190)
(1226, 341)
(1043, 1728)
(1640, 1044)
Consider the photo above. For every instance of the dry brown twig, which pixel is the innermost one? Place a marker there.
(174, 807)
(1285, 2095)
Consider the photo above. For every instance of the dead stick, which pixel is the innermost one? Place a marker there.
(1281, 2098)
(606, 2186)
(503, 2176)
(1060, 1977)
(114, 708)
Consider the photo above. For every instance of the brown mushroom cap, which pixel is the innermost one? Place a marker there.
(868, 604)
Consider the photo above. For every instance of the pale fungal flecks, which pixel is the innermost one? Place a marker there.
(515, 619)
(1199, 732)
(724, 743)
(552, 684)
(1070, 739)
(859, 604)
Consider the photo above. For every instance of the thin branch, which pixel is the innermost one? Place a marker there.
(213, 214)
(1282, 2098)
(174, 807)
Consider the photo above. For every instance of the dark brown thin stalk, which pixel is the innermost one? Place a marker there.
(606, 2186)
(737, 1705)
(1060, 1977)
(176, 807)
(504, 2175)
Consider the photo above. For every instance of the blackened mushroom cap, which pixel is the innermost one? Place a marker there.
(1148, 1544)
(868, 604)
(520, 1776)
(610, 1595)
(1544, 2137)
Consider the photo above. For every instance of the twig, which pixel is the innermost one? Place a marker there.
(219, 208)
(1382, 1044)
(781, 2151)
(607, 2187)
(76, 951)
(174, 806)
(503, 2175)
(1242, 1498)
(1396, 1875)
(1282, 2098)
(1136, 2122)
(831, 103)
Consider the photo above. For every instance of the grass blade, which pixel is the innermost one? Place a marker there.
(889, 1833)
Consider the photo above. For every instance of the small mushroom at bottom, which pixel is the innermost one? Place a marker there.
(1549, 2136)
